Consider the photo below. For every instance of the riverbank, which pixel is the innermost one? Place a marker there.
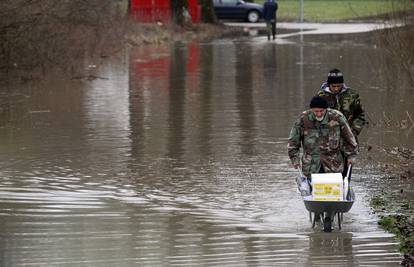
(393, 201)
(158, 33)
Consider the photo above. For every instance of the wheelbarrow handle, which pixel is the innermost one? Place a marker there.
(300, 171)
(349, 172)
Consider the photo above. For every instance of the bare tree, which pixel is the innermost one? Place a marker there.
(399, 42)
(35, 33)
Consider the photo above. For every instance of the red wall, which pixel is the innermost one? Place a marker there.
(151, 10)
(195, 10)
(160, 10)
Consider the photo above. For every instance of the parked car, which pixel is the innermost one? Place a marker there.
(238, 10)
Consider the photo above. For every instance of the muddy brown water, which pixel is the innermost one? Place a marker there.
(177, 157)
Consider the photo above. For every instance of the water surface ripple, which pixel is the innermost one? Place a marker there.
(178, 158)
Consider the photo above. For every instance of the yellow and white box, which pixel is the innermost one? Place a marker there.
(327, 187)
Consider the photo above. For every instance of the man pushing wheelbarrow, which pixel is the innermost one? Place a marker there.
(323, 134)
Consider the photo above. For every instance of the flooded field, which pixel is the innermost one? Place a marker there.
(176, 156)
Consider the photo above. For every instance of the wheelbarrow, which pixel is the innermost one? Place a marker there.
(327, 212)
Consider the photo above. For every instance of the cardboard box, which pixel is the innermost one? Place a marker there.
(327, 187)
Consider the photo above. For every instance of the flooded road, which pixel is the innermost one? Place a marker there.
(318, 28)
(176, 156)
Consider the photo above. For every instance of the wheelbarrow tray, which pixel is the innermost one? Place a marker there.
(333, 207)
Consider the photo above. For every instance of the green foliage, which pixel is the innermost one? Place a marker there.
(377, 202)
(403, 227)
(389, 223)
(400, 225)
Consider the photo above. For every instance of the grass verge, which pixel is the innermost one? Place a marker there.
(395, 207)
(403, 227)
(337, 10)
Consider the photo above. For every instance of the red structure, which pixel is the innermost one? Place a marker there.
(160, 10)
(195, 10)
(151, 67)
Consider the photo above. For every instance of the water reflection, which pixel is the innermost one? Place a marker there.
(177, 104)
(330, 249)
(179, 159)
(245, 99)
(205, 100)
(5, 115)
(108, 133)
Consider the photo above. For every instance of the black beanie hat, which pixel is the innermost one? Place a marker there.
(335, 76)
(318, 102)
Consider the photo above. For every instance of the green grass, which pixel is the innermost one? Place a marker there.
(402, 227)
(337, 10)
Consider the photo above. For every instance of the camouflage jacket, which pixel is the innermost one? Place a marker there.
(321, 142)
(347, 101)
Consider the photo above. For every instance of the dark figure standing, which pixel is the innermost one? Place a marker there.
(269, 15)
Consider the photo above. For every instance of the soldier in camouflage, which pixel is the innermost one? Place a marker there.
(322, 133)
(344, 99)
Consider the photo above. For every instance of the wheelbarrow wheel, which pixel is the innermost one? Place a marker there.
(316, 219)
(340, 217)
(327, 224)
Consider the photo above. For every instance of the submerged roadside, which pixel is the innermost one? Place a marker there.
(394, 198)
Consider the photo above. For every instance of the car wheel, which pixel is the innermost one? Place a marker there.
(253, 16)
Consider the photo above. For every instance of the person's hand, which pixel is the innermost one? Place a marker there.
(296, 165)
(350, 162)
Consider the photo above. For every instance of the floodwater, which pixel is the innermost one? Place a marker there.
(176, 156)
(319, 28)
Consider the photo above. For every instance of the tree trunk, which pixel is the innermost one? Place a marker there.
(179, 11)
(207, 11)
